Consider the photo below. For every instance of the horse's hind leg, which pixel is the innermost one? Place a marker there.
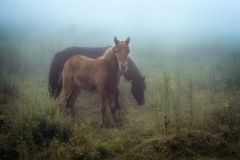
(64, 95)
(72, 99)
(60, 102)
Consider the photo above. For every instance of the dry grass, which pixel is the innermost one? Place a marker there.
(203, 123)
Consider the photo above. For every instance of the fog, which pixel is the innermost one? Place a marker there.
(95, 23)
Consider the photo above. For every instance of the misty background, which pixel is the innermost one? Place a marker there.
(94, 23)
(188, 51)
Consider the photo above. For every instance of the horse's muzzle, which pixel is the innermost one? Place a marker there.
(123, 67)
(142, 102)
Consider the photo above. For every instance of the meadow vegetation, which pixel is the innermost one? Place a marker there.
(192, 108)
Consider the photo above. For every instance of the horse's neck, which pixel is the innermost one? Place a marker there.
(111, 59)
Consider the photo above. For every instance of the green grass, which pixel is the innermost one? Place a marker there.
(194, 98)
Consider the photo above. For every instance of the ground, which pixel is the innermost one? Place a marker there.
(191, 111)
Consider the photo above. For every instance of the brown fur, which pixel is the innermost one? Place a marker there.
(101, 75)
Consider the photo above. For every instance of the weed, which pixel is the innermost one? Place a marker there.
(190, 101)
(178, 121)
(166, 86)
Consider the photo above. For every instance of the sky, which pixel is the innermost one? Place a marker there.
(170, 19)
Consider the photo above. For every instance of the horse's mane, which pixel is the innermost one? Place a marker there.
(107, 52)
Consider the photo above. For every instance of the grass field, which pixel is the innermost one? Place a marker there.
(192, 108)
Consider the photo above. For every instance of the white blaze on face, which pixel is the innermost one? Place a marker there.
(122, 51)
(123, 67)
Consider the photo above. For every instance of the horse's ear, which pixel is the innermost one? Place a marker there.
(128, 40)
(115, 40)
(143, 78)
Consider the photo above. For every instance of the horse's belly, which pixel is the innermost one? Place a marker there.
(85, 83)
(89, 87)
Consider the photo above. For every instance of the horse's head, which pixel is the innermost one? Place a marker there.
(122, 51)
(138, 88)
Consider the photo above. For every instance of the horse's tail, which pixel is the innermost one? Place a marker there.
(55, 79)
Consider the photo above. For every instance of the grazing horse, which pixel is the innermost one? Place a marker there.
(131, 74)
(101, 75)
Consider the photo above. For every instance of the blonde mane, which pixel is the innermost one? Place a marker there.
(107, 52)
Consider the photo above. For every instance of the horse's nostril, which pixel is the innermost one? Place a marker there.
(123, 67)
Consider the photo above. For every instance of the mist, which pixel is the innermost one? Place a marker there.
(95, 23)
(178, 99)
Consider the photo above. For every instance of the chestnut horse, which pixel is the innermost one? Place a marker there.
(101, 75)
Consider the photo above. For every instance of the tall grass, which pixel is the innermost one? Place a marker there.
(165, 84)
(198, 111)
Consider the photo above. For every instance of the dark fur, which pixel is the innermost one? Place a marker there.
(132, 74)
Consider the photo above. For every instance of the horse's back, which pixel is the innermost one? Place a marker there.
(82, 71)
(85, 51)
(60, 59)
(78, 63)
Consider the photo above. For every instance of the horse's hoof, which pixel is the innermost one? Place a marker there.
(103, 128)
(115, 129)
(76, 124)
(67, 105)
(118, 107)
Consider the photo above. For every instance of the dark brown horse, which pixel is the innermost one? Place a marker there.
(101, 75)
(131, 74)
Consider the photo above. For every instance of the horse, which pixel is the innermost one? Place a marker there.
(101, 75)
(131, 74)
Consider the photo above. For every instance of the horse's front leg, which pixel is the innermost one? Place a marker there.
(111, 100)
(102, 101)
(117, 105)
